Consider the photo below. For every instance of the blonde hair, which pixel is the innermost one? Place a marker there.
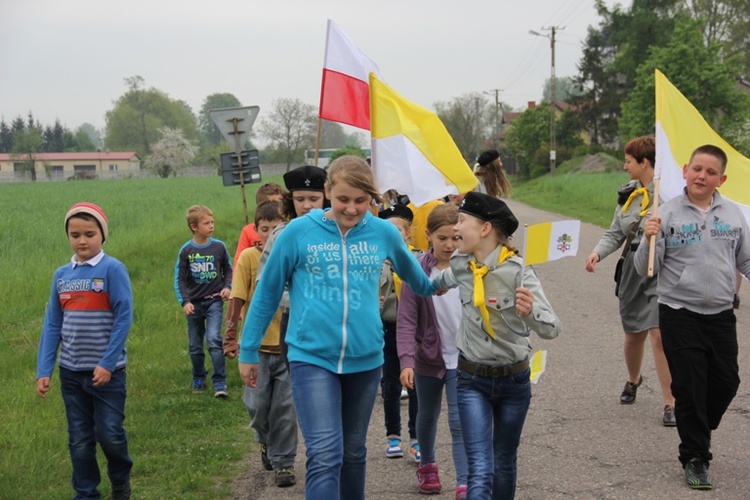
(354, 171)
(495, 181)
(442, 215)
(195, 213)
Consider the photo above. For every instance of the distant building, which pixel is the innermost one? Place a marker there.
(61, 166)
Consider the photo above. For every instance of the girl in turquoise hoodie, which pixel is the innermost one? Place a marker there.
(331, 261)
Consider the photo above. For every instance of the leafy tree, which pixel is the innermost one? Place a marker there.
(469, 119)
(348, 150)
(27, 144)
(6, 137)
(94, 142)
(725, 21)
(139, 116)
(612, 53)
(527, 138)
(208, 130)
(709, 83)
(527, 134)
(171, 154)
(332, 135)
(290, 129)
(565, 88)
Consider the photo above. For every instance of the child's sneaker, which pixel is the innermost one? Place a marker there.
(414, 450)
(429, 479)
(220, 391)
(461, 491)
(405, 394)
(394, 447)
(264, 457)
(199, 385)
(285, 477)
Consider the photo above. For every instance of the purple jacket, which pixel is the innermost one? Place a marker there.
(417, 332)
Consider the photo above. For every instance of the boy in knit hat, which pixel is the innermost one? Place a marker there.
(89, 314)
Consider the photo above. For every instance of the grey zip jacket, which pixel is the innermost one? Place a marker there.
(696, 256)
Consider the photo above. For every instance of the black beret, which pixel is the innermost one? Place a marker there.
(307, 177)
(490, 209)
(397, 210)
(488, 157)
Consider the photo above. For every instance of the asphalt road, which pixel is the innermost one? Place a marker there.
(578, 441)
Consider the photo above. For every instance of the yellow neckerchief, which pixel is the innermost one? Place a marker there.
(397, 281)
(645, 202)
(479, 271)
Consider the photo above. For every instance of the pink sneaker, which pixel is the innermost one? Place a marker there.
(429, 480)
(461, 491)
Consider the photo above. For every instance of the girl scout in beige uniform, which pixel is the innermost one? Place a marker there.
(494, 388)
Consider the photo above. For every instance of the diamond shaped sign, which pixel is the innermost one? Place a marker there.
(224, 118)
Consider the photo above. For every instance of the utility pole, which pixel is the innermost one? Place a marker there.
(553, 105)
(496, 92)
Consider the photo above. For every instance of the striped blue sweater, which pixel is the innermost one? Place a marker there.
(88, 317)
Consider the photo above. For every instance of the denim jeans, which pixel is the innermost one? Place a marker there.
(430, 392)
(492, 411)
(390, 388)
(334, 413)
(271, 410)
(95, 414)
(206, 322)
(701, 351)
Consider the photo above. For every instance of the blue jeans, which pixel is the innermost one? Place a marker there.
(430, 393)
(271, 409)
(390, 388)
(206, 322)
(334, 413)
(95, 414)
(492, 412)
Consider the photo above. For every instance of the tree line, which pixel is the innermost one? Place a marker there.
(702, 46)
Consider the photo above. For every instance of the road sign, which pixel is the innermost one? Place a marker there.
(224, 118)
(248, 165)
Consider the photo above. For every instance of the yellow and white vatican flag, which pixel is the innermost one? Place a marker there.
(680, 128)
(551, 241)
(412, 152)
(538, 363)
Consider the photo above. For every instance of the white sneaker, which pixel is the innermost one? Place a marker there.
(404, 394)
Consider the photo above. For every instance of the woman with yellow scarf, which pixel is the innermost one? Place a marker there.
(638, 300)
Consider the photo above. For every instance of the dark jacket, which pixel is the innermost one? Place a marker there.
(417, 331)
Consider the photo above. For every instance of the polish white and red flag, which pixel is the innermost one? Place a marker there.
(345, 92)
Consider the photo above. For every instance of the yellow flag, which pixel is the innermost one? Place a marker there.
(412, 152)
(538, 364)
(680, 128)
(551, 241)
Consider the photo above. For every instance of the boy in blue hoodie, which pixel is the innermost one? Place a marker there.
(701, 239)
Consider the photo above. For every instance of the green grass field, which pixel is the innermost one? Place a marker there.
(184, 445)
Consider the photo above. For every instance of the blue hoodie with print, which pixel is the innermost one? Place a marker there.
(333, 282)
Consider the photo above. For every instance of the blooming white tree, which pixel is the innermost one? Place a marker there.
(171, 154)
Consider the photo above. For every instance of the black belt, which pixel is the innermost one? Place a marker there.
(497, 371)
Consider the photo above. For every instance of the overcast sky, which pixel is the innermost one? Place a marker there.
(67, 59)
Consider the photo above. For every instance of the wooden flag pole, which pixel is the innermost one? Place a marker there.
(317, 140)
(652, 241)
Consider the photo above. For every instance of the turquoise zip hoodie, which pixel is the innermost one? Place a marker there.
(333, 280)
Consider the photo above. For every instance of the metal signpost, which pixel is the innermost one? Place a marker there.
(235, 125)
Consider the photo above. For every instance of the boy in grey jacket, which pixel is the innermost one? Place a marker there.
(701, 239)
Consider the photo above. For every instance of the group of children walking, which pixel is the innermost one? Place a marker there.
(464, 315)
